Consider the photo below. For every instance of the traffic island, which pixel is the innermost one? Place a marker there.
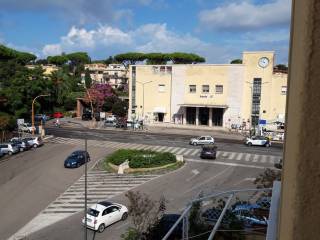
(139, 161)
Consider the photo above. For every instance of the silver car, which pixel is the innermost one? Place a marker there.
(202, 140)
(35, 141)
(9, 148)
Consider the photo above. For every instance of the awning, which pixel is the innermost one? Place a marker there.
(203, 105)
(159, 110)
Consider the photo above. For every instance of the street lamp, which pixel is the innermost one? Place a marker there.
(32, 110)
(143, 83)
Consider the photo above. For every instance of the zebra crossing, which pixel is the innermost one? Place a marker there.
(101, 185)
(188, 152)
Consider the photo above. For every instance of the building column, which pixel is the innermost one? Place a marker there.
(210, 117)
(184, 116)
(300, 205)
(197, 116)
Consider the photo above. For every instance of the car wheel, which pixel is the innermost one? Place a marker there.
(124, 216)
(10, 153)
(249, 144)
(194, 143)
(35, 145)
(101, 228)
(268, 145)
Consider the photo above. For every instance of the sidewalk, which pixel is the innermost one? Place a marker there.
(166, 128)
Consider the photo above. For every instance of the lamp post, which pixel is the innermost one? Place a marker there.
(143, 83)
(32, 110)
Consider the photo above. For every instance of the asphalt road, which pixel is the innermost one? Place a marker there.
(30, 180)
(164, 139)
(177, 187)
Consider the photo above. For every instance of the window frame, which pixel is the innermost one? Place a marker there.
(195, 88)
(161, 88)
(203, 88)
(216, 88)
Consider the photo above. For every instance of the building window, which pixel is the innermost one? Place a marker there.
(205, 89)
(155, 69)
(161, 88)
(169, 69)
(284, 90)
(162, 69)
(219, 89)
(192, 88)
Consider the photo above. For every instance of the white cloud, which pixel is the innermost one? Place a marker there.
(52, 49)
(247, 16)
(146, 38)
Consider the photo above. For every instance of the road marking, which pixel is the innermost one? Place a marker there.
(263, 158)
(182, 150)
(272, 159)
(195, 172)
(188, 151)
(156, 148)
(195, 152)
(255, 158)
(162, 148)
(239, 156)
(208, 180)
(248, 156)
(175, 150)
(228, 164)
(218, 154)
(231, 156)
(225, 154)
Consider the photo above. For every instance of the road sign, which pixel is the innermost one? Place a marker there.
(262, 122)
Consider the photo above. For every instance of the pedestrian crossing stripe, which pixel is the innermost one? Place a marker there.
(238, 156)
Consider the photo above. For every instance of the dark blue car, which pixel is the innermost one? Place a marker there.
(76, 159)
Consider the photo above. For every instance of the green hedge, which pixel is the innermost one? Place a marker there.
(141, 158)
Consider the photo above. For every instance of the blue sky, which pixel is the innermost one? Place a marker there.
(219, 30)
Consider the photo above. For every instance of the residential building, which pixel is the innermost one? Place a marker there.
(48, 68)
(114, 74)
(209, 94)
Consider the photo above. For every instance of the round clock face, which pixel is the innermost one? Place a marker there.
(263, 62)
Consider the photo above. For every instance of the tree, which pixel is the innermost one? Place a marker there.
(236, 61)
(87, 78)
(58, 60)
(109, 60)
(281, 67)
(130, 58)
(78, 58)
(109, 102)
(185, 58)
(120, 108)
(145, 214)
(20, 57)
(41, 61)
(98, 93)
(157, 58)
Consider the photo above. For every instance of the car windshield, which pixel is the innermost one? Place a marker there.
(72, 157)
(93, 212)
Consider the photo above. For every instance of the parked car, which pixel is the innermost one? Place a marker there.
(1, 153)
(57, 115)
(86, 116)
(202, 140)
(249, 214)
(21, 143)
(34, 141)
(208, 152)
(109, 123)
(111, 118)
(9, 148)
(258, 141)
(133, 124)
(103, 214)
(164, 225)
(26, 127)
(76, 159)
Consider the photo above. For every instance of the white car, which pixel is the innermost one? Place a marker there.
(26, 127)
(258, 141)
(103, 214)
(202, 140)
(35, 141)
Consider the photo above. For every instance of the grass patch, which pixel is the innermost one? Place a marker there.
(141, 158)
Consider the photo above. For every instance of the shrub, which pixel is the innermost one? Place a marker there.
(141, 158)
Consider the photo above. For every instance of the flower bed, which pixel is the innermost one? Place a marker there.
(141, 158)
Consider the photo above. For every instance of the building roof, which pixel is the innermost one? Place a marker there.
(203, 105)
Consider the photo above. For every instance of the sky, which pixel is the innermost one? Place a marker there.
(219, 30)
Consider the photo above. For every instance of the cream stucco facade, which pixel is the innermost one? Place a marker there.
(209, 94)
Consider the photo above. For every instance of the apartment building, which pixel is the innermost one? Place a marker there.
(209, 94)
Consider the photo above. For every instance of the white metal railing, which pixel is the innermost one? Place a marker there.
(185, 214)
